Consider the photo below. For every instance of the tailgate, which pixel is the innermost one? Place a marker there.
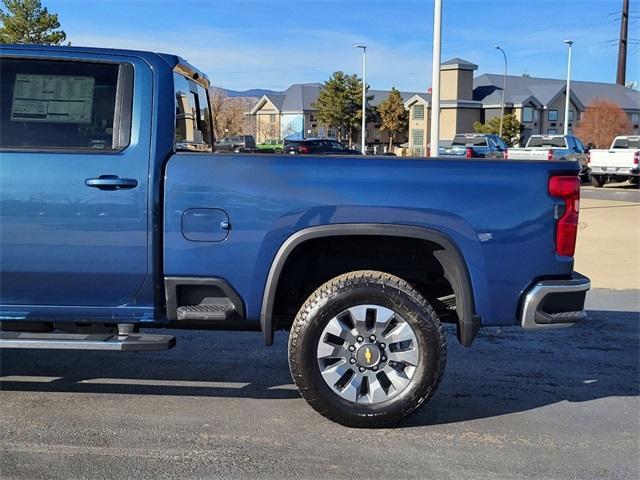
(528, 154)
(613, 158)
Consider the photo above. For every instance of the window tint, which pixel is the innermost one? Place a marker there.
(627, 143)
(47, 104)
(193, 118)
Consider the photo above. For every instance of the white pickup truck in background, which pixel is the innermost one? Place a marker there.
(552, 147)
(618, 164)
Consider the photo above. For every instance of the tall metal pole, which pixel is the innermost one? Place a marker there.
(504, 88)
(622, 47)
(435, 79)
(364, 98)
(568, 93)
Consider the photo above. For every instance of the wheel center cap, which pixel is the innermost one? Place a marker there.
(368, 355)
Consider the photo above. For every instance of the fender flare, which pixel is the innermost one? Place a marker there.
(450, 257)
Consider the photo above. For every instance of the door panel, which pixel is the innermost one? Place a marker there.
(73, 219)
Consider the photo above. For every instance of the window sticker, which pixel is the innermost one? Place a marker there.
(52, 98)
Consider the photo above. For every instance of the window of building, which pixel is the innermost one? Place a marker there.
(417, 137)
(553, 115)
(635, 118)
(418, 112)
(552, 131)
(570, 115)
(193, 117)
(48, 104)
(527, 114)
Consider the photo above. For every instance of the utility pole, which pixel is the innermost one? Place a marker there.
(504, 87)
(622, 47)
(435, 79)
(364, 97)
(568, 92)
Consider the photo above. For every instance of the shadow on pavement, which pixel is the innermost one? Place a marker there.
(505, 371)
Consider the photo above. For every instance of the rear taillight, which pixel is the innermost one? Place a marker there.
(568, 189)
(636, 158)
(550, 155)
(505, 154)
(468, 153)
(303, 149)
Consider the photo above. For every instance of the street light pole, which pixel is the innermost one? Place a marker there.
(568, 93)
(504, 87)
(364, 97)
(435, 79)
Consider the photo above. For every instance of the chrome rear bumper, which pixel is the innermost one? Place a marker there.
(555, 303)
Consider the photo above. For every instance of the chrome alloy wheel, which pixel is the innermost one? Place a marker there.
(368, 354)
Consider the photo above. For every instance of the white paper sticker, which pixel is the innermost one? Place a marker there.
(52, 98)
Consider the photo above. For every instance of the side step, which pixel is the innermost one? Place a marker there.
(210, 309)
(92, 341)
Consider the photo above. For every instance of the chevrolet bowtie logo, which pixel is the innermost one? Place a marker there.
(368, 356)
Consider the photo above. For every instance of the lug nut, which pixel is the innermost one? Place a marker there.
(360, 339)
(352, 348)
(374, 368)
(362, 369)
(372, 338)
(384, 359)
(383, 346)
(353, 360)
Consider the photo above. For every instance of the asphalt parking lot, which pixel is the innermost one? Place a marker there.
(562, 404)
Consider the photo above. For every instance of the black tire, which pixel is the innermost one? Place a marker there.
(596, 180)
(277, 151)
(358, 288)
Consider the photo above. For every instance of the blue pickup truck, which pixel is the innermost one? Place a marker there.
(117, 217)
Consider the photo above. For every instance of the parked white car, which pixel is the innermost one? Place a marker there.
(619, 163)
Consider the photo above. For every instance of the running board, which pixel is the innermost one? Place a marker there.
(92, 341)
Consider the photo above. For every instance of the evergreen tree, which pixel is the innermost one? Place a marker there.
(27, 21)
(340, 103)
(511, 128)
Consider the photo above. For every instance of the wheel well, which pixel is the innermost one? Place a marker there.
(317, 260)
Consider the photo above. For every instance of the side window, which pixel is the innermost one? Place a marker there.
(65, 105)
(337, 146)
(570, 143)
(193, 117)
(579, 145)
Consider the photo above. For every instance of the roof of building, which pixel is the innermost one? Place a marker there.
(300, 97)
(458, 63)
(543, 91)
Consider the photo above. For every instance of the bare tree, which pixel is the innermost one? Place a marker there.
(601, 122)
(227, 113)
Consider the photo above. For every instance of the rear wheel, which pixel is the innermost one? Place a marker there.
(278, 151)
(366, 349)
(596, 180)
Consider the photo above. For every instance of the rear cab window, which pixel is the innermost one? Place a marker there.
(193, 123)
(625, 143)
(65, 105)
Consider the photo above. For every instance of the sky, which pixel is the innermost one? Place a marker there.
(272, 44)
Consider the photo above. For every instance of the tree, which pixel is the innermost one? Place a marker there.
(601, 122)
(27, 21)
(393, 115)
(340, 103)
(511, 128)
(227, 113)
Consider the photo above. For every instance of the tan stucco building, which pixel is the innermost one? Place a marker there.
(538, 103)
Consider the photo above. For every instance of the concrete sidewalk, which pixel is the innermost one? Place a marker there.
(608, 249)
